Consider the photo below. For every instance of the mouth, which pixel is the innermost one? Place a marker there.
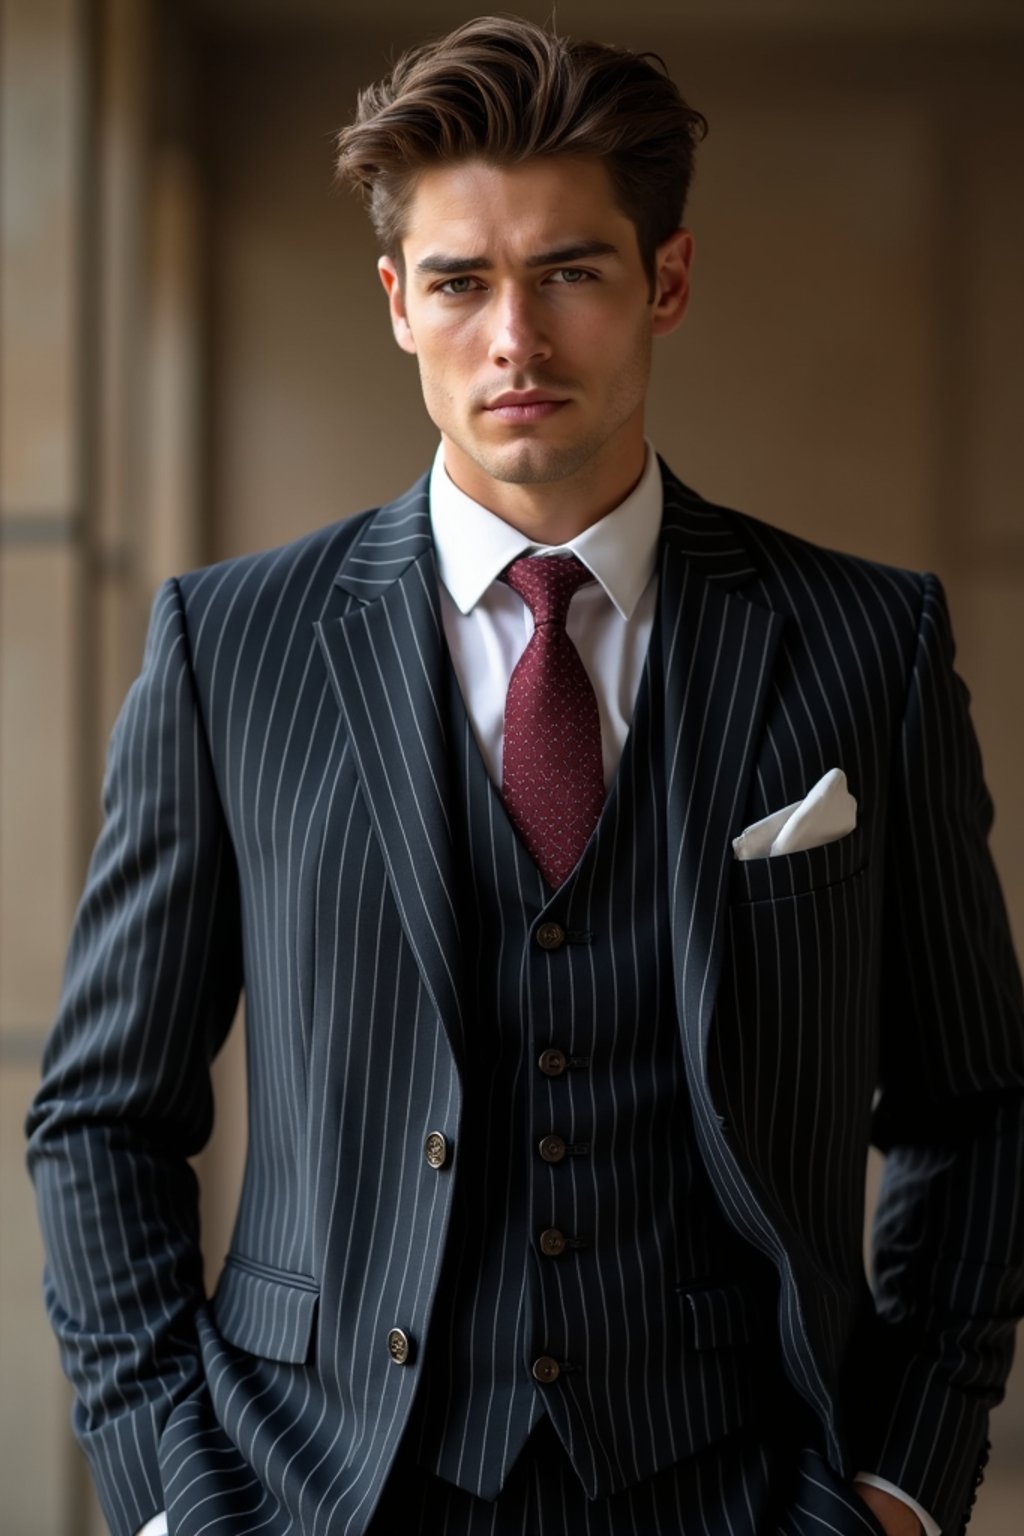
(524, 406)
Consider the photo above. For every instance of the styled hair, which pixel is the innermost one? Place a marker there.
(504, 90)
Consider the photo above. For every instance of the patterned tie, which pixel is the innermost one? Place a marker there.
(552, 779)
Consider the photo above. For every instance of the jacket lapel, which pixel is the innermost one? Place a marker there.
(386, 659)
(718, 648)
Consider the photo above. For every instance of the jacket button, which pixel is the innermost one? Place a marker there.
(545, 1370)
(552, 1063)
(550, 935)
(435, 1149)
(399, 1347)
(552, 1149)
(552, 1242)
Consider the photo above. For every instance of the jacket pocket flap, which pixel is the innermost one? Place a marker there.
(719, 1317)
(265, 1311)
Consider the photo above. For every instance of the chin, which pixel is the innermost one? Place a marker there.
(531, 462)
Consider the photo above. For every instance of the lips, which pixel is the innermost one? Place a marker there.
(524, 406)
(524, 397)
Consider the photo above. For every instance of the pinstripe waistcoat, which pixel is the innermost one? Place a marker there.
(278, 816)
(601, 1249)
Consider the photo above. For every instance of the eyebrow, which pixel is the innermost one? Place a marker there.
(560, 255)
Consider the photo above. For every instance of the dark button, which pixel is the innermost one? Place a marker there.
(545, 1370)
(552, 1242)
(552, 1063)
(552, 1149)
(435, 1150)
(550, 935)
(399, 1347)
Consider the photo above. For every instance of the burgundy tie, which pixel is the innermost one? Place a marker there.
(552, 778)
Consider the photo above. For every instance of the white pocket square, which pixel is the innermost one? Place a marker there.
(826, 813)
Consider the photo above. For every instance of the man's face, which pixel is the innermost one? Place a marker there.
(528, 308)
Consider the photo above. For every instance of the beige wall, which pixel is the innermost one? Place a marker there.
(196, 360)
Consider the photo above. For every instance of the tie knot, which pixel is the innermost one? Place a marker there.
(546, 584)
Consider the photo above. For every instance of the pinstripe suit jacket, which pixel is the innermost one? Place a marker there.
(276, 817)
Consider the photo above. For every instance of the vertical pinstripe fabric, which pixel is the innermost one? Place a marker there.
(278, 816)
(753, 1484)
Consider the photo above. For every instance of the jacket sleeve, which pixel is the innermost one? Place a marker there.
(151, 984)
(949, 1230)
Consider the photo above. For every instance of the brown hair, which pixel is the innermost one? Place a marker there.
(505, 90)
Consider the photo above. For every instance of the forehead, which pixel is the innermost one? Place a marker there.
(480, 207)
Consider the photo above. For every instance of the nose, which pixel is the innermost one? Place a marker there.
(518, 336)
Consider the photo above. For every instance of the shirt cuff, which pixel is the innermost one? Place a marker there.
(930, 1527)
(155, 1527)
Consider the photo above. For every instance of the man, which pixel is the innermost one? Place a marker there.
(598, 864)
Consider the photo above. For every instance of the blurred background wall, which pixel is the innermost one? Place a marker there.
(195, 360)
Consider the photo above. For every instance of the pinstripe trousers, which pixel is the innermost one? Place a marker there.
(745, 1486)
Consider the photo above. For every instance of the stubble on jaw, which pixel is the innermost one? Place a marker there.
(533, 463)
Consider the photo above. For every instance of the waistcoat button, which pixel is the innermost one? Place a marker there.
(545, 1370)
(435, 1150)
(552, 1242)
(552, 1063)
(552, 1149)
(550, 935)
(399, 1347)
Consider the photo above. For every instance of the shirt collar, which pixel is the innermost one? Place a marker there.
(474, 545)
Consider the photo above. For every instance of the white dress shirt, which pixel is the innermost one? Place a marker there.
(487, 626)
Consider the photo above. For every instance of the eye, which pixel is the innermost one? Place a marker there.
(572, 275)
(452, 286)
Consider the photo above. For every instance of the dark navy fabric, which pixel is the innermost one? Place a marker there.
(653, 1306)
(748, 1485)
(278, 816)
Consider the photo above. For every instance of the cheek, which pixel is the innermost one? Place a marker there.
(602, 335)
(438, 380)
(445, 353)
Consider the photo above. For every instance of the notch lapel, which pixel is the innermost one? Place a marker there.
(718, 649)
(386, 659)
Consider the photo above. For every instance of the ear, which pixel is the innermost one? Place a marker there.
(673, 260)
(396, 303)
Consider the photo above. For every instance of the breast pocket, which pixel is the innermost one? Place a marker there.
(792, 874)
(793, 1051)
(798, 951)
